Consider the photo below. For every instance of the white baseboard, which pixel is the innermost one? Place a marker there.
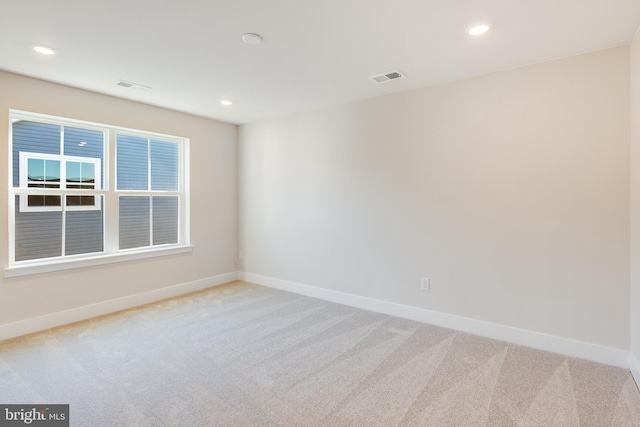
(565, 346)
(634, 365)
(52, 320)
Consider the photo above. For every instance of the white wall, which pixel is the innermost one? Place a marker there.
(635, 204)
(510, 191)
(213, 203)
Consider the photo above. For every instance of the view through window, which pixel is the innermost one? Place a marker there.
(66, 204)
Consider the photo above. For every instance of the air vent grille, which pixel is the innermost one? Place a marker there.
(130, 85)
(386, 77)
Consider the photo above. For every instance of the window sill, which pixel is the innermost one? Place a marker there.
(42, 266)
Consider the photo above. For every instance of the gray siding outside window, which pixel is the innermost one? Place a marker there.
(136, 155)
(164, 166)
(135, 229)
(132, 157)
(33, 137)
(165, 220)
(84, 232)
(37, 234)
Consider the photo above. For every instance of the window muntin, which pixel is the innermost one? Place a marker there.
(66, 205)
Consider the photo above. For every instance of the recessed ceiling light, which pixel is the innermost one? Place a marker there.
(45, 50)
(226, 102)
(252, 38)
(477, 30)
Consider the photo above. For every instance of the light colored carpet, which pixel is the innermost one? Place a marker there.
(245, 355)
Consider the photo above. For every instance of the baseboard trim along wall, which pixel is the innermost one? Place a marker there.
(28, 326)
(565, 346)
(634, 365)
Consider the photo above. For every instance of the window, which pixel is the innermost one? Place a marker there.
(147, 184)
(53, 171)
(84, 191)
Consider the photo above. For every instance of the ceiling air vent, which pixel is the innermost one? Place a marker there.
(134, 86)
(391, 75)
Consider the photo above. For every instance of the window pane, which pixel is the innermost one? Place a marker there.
(164, 166)
(37, 234)
(33, 137)
(52, 170)
(43, 170)
(85, 143)
(132, 163)
(135, 229)
(165, 220)
(73, 172)
(35, 170)
(42, 200)
(84, 229)
(81, 201)
(52, 200)
(88, 172)
(36, 200)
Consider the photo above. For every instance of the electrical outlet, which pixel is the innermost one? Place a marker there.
(425, 284)
(240, 254)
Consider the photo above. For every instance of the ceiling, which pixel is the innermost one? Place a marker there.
(314, 53)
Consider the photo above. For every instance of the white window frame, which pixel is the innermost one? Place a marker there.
(62, 189)
(110, 198)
